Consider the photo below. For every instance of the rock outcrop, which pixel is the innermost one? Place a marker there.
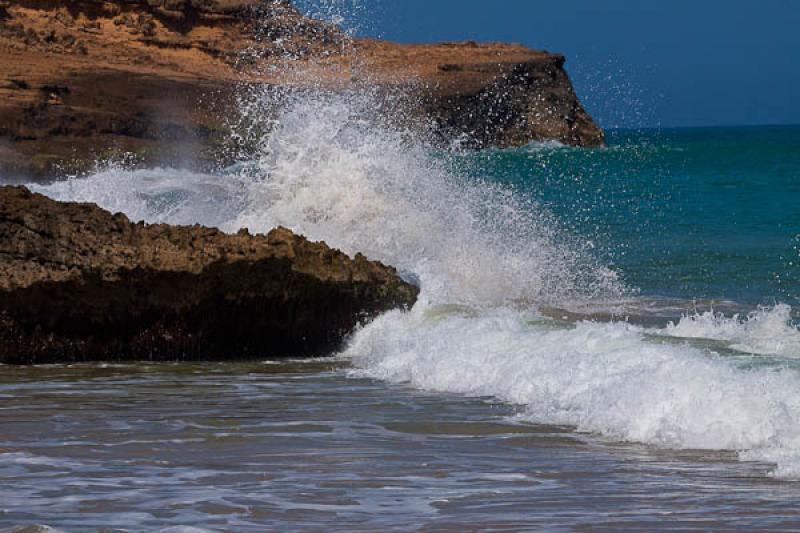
(486, 94)
(78, 283)
(88, 79)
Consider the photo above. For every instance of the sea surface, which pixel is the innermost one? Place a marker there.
(605, 339)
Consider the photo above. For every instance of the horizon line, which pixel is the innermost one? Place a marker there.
(701, 126)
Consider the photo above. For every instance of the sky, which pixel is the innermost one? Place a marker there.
(634, 63)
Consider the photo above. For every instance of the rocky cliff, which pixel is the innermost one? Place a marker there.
(78, 283)
(87, 79)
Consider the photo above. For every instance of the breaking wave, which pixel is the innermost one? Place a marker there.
(331, 171)
(487, 260)
(607, 378)
(766, 331)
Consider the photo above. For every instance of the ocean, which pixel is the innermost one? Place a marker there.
(605, 338)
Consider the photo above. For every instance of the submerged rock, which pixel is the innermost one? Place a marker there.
(78, 283)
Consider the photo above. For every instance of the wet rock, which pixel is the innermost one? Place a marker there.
(78, 283)
(528, 101)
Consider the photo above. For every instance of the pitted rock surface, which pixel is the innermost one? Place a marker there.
(78, 283)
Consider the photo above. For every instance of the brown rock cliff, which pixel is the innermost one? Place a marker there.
(87, 79)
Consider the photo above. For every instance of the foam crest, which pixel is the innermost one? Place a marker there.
(332, 168)
(603, 378)
(766, 331)
(155, 195)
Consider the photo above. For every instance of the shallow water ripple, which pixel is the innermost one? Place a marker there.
(247, 446)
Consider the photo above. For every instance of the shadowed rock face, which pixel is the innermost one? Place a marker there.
(82, 80)
(80, 284)
(526, 101)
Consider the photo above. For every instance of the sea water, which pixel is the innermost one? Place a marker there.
(604, 337)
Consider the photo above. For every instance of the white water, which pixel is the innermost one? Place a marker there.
(484, 259)
(607, 378)
(767, 331)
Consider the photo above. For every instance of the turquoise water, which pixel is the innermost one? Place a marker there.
(686, 213)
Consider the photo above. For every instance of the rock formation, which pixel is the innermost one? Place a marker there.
(78, 283)
(88, 79)
(486, 94)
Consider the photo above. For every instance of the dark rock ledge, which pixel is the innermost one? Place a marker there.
(78, 283)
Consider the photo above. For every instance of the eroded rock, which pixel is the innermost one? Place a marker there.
(78, 283)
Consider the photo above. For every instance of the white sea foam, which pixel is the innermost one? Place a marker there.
(332, 170)
(600, 377)
(155, 195)
(766, 331)
(546, 146)
(32, 528)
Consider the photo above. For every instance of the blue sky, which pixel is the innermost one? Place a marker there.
(635, 63)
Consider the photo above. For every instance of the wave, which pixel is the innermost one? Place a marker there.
(766, 331)
(605, 378)
(333, 171)
(487, 260)
(155, 195)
